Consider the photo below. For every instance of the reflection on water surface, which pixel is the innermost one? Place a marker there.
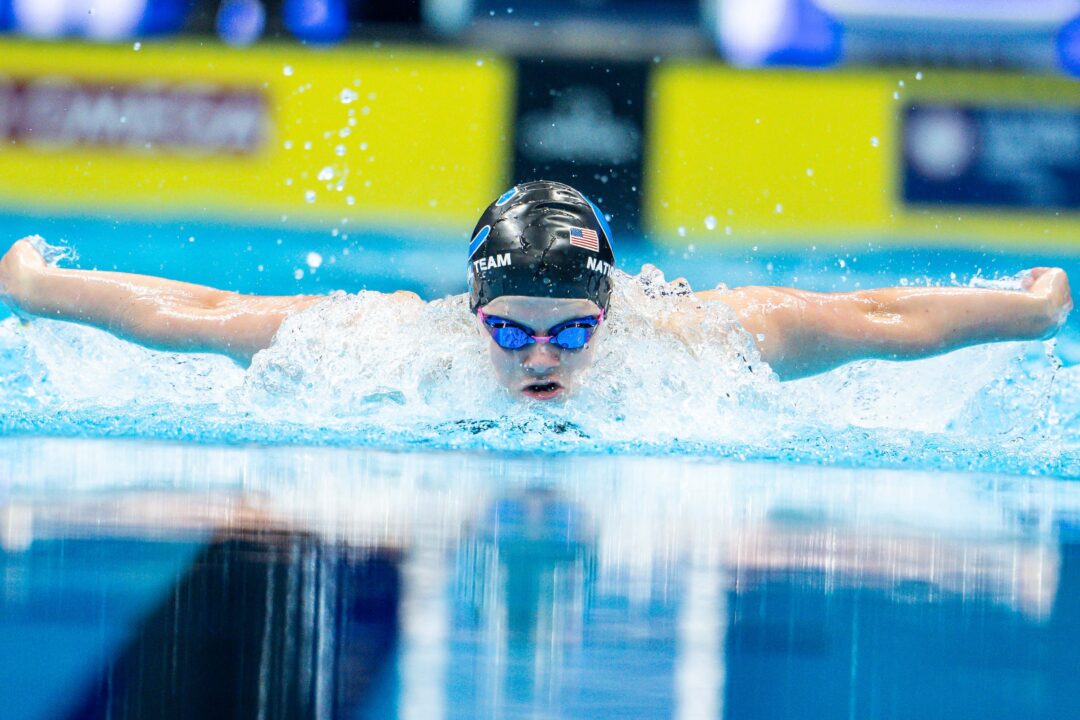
(169, 581)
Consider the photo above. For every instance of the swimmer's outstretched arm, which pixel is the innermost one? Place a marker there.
(802, 333)
(159, 313)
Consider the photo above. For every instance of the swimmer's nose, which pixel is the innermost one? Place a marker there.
(540, 358)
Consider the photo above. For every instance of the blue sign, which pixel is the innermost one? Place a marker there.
(1026, 158)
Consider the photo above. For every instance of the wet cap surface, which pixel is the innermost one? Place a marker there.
(541, 239)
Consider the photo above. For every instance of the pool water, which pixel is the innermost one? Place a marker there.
(361, 526)
(143, 579)
(357, 372)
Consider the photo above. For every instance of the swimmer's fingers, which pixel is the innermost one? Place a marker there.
(1051, 285)
(1031, 276)
(18, 267)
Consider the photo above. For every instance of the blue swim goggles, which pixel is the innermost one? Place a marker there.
(569, 335)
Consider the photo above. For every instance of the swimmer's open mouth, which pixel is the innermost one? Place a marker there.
(542, 390)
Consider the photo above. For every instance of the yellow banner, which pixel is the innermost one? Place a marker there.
(783, 156)
(390, 135)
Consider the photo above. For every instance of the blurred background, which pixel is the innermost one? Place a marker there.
(287, 145)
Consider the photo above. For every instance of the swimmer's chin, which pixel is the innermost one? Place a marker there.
(544, 391)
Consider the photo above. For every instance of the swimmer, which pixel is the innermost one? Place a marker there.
(540, 273)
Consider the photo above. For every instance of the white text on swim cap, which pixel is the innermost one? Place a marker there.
(492, 261)
(597, 265)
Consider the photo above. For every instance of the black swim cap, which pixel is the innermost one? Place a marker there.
(541, 239)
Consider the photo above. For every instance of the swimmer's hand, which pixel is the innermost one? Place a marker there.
(20, 268)
(1051, 286)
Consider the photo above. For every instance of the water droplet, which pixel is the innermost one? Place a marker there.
(298, 274)
(727, 229)
(340, 151)
(191, 239)
(918, 75)
(363, 146)
(344, 132)
(874, 142)
(307, 145)
(896, 95)
(309, 196)
(809, 172)
(710, 222)
(260, 268)
(682, 231)
(313, 260)
(137, 47)
(479, 63)
(327, 173)
(287, 71)
(350, 200)
(287, 144)
(347, 96)
(901, 83)
(841, 263)
(760, 336)
(779, 208)
(288, 182)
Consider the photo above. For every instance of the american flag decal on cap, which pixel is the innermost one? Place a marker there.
(585, 238)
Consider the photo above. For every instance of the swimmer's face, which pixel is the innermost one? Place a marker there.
(541, 371)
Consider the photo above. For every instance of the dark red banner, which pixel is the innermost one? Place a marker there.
(201, 119)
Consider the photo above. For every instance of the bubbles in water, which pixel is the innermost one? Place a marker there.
(779, 208)
(347, 95)
(919, 75)
(681, 231)
(287, 71)
(137, 47)
(874, 142)
(298, 274)
(710, 222)
(327, 173)
(350, 200)
(809, 172)
(309, 196)
(314, 260)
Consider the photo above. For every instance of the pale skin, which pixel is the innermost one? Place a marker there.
(797, 332)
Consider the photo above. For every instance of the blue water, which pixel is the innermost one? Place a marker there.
(334, 538)
(145, 579)
(1008, 408)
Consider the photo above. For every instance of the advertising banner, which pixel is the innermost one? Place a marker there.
(583, 123)
(1024, 158)
(390, 136)
(934, 158)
